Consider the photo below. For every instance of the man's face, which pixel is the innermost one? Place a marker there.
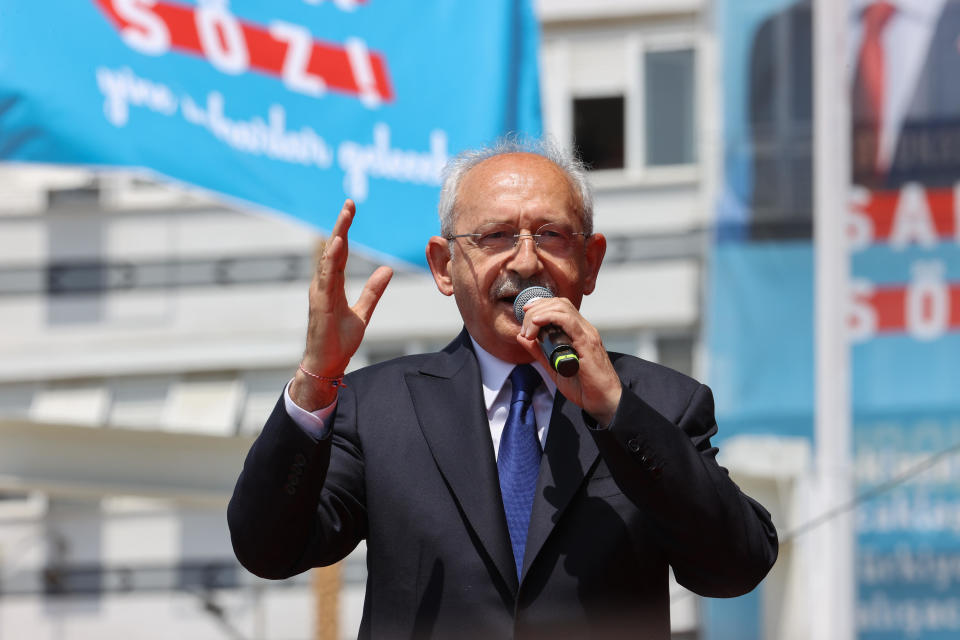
(522, 191)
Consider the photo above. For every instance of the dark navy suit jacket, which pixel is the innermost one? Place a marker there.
(410, 468)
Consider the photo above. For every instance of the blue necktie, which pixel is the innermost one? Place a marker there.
(518, 461)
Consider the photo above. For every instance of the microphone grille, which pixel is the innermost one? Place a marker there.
(526, 296)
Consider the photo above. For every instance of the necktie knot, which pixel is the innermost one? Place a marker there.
(876, 15)
(525, 380)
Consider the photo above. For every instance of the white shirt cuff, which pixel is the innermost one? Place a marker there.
(315, 424)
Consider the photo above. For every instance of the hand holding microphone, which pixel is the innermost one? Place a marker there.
(554, 342)
(592, 384)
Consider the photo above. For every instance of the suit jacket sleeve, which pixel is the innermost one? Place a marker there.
(719, 541)
(291, 508)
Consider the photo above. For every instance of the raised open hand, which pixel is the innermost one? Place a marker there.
(334, 328)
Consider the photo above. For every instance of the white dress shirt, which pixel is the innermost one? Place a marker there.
(497, 388)
(495, 375)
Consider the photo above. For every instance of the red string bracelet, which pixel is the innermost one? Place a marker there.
(334, 382)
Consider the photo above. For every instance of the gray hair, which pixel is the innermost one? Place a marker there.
(460, 165)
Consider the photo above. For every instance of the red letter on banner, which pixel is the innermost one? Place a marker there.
(155, 26)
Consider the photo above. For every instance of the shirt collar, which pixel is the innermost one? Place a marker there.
(494, 373)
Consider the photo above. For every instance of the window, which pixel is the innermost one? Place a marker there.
(598, 130)
(262, 389)
(206, 403)
(644, 120)
(670, 100)
(674, 349)
(16, 399)
(676, 352)
(138, 402)
(71, 402)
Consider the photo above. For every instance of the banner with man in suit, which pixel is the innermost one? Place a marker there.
(903, 320)
(289, 106)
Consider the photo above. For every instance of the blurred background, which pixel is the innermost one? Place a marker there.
(168, 172)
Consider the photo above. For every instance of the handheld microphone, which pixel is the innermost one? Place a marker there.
(554, 342)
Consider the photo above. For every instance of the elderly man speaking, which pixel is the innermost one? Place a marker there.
(498, 498)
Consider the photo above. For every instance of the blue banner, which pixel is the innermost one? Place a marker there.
(289, 105)
(903, 229)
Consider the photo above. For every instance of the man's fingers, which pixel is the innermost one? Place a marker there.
(334, 258)
(344, 219)
(533, 348)
(372, 291)
(539, 315)
(558, 312)
(335, 250)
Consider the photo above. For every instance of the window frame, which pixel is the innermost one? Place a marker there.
(561, 91)
(638, 46)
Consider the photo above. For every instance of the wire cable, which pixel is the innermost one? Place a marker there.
(864, 496)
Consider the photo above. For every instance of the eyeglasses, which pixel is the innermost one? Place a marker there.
(555, 239)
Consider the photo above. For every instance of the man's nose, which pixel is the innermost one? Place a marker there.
(525, 260)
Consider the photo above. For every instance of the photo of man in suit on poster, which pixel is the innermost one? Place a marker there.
(905, 106)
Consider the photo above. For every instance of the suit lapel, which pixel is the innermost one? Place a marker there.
(448, 400)
(569, 456)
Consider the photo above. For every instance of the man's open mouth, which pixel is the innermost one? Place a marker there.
(508, 300)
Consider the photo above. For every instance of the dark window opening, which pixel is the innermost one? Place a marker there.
(598, 131)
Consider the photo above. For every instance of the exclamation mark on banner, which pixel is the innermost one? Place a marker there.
(362, 69)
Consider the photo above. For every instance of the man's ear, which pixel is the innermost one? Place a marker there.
(596, 248)
(438, 257)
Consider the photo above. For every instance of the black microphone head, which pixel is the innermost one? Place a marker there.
(526, 296)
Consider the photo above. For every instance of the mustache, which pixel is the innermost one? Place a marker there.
(510, 284)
